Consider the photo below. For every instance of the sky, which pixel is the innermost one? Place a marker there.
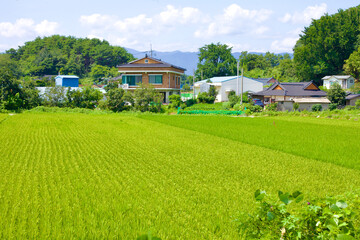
(163, 25)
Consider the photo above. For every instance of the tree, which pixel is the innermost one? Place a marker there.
(55, 96)
(352, 64)
(147, 99)
(116, 99)
(215, 60)
(326, 44)
(336, 94)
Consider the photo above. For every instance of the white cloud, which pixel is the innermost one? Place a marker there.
(285, 45)
(46, 28)
(96, 20)
(184, 15)
(138, 30)
(235, 20)
(24, 27)
(309, 13)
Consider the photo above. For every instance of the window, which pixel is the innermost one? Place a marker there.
(132, 80)
(146, 60)
(155, 79)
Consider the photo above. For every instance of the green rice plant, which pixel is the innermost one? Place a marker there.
(118, 176)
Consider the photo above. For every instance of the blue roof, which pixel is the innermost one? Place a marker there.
(225, 79)
(66, 76)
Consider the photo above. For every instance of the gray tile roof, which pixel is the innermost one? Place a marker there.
(352, 96)
(292, 89)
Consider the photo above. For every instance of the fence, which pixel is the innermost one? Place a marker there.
(216, 112)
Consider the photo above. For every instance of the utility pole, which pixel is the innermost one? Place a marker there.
(237, 79)
(193, 84)
(242, 83)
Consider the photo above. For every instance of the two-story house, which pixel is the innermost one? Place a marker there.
(164, 77)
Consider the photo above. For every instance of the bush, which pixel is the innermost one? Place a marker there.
(357, 103)
(296, 106)
(175, 100)
(329, 218)
(226, 105)
(190, 102)
(204, 97)
(332, 106)
(316, 108)
(271, 107)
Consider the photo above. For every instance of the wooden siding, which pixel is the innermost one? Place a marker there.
(142, 61)
(278, 88)
(312, 87)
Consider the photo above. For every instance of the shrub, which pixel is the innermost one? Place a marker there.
(190, 102)
(332, 106)
(357, 103)
(175, 100)
(296, 106)
(226, 105)
(271, 107)
(329, 218)
(204, 97)
(316, 108)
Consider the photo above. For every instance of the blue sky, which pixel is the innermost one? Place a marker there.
(245, 25)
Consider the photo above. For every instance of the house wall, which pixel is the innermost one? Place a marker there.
(288, 106)
(345, 84)
(352, 102)
(168, 79)
(67, 82)
(248, 86)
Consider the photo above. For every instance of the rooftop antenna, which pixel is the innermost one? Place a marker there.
(151, 51)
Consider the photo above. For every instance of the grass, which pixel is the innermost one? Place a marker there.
(73, 175)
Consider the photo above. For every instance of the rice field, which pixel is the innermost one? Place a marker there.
(72, 175)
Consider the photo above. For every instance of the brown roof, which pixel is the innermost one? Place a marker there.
(160, 64)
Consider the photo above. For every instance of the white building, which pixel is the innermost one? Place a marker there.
(226, 84)
(345, 81)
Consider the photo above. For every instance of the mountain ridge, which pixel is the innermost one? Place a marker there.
(187, 60)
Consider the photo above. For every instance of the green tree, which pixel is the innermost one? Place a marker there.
(215, 60)
(116, 99)
(352, 64)
(99, 71)
(147, 99)
(55, 96)
(336, 94)
(326, 44)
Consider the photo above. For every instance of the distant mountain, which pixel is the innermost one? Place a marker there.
(188, 60)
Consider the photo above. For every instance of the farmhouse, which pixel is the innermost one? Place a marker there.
(345, 81)
(67, 81)
(226, 84)
(305, 94)
(164, 77)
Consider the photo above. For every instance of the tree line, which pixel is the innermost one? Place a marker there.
(67, 55)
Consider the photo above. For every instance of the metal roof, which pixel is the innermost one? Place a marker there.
(225, 79)
(66, 76)
(341, 77)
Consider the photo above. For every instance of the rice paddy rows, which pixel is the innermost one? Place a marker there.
(112, 176)
(328, 140)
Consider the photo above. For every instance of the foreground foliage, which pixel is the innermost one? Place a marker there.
(328, 218)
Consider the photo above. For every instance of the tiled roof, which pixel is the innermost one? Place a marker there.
(292, 89)
(352, 96)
